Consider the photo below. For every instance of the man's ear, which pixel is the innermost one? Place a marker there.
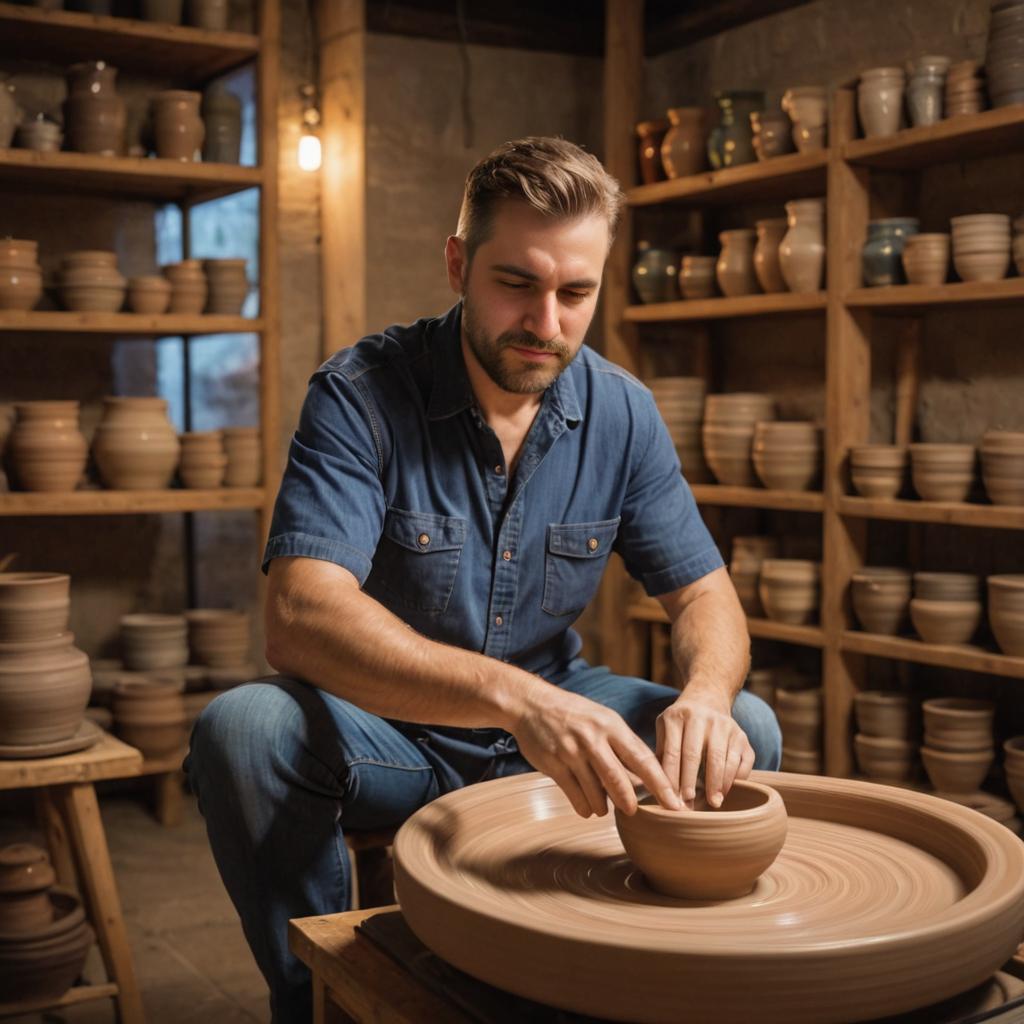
(455, 263)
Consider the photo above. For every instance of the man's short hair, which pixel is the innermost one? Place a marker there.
(555, 177)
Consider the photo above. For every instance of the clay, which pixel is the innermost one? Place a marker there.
(228, 284)
(878, 470)
(47, 449)
(766, 254)
(942, 472)
(697, 277)
(945, 622)
(958, 724)
(926, 258)
(150, 295)
(21, 277)
(25, 879)
(1002, 465)
(885, 715)
(135, 446)
(94, 113)
(728, 434)
(151, 641)
(880, 101)
(735, 268)
(981, 246)
(189, 288)
(885, 758)
(680, 402)
(150, 716)
(880, 596)
(787, 455)
(684, 147)
(89, 281)
(773, 133)
(1006, 612)
(807, 107)
(177, 125)
(956, 771)
(799, 713)
(203, 459)
(219, 637)
(33, 606)
(802, 249)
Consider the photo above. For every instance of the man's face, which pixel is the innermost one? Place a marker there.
(530, 293)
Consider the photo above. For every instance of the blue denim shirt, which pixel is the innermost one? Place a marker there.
(394, 474)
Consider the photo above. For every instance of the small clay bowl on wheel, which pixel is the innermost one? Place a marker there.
(707, 853)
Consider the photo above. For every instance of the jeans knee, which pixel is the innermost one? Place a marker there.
(758, 721)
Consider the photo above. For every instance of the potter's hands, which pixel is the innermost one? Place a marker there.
(699, 727)
(589, 751)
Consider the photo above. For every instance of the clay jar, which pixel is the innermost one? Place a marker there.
(880, 101)
(189, 287)
(94, 114)
(942, 472)
(884, 715)
(1002, 466)
(726, 849)
(697, 277)
(654, 274)
(89, 281)
(21, 277)
(151, 641)
(926, 258)
(228, 286)
(203, 459)
(954, 771)
(684, 147)
(177, 126)
(878, 470)
(1006, 612)
(149, 294)
(25, 880)
(650, 135)
(135, 446)
(40, 135)
(728, 433)
(222, 116)
(787, 455)
(802, 249)
(731, 141)
(766, 254)
(47, 448)
(245, 457)
(981, 246)
(880, 597)
(772, 133)
(789, 589)
(807, 107)
(33, 605)
(881, 257)
(735, 268)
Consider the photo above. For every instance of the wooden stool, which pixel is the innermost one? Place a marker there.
(70, 817)
(370, 866)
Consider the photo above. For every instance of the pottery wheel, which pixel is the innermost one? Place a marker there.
(882, 901)
(84, 736)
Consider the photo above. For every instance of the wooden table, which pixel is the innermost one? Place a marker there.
(70, 816)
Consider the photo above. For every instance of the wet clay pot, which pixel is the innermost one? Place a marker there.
(135, 446)
(177, 125)
(727, 849)
(649, 135)
(735, 268)
(25, 880)
(33, 605)
(880, 597)
(222, 116)
(684, 146)
(94, 113)
(766, 254)
(46, 446)
(802, 249)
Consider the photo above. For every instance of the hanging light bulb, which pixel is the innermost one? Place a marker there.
(309, 141)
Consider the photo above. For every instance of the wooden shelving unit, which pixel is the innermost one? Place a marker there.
(114, 503)
(59, 322)
(844, 175)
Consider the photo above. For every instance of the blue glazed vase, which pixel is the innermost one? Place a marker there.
(731, 141)
(881, 257)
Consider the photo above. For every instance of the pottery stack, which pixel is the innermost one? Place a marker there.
(245, 456)
(885, 743)
(728, 434)
(799, 715)
(878, 470)
(1004, 57)
(21, 277)
(220, 639)
(958, 747)
(946, 608)
(748, 554)
(1006, 612)
(964, 89)
(44, 679)
(47, 450)
(697, 277)
(926, 258)
(787, 455)
(789, 589)
(44, 937)
(942, 472)
(880, 101)
(189, 287)
(151, 641)
(150, 715)
(135, 446)
(926, 88)
(981, 246)
(203, 459)
(89, 281)
(880, 597)
(228, 286)
(1002, 466)
(680, 401)
(807, 106)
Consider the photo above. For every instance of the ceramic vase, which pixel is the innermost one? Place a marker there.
(218, 637)
(203, 459)
(149, 295)
(925, 90)
(26, 877)
(222, 116)
(766, 254)
(807, 107)
(40, 135)
(46, 446)
(731, 141)
(684, 147)
(21, 277)
(177, 126)
(882, 255)
(735, 268)
(773, 133)
(802, 249)
(880, 101)
(697, 277)
(654, 274)
(135, 446)
(94, 113)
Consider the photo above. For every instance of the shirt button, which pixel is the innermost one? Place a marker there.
(499, 470)
(424, 539)
(498, 620)
(507, 555)
(592, 543)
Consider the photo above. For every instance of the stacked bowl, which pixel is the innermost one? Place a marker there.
(680, 401)
(789, 589)
(885, 743)
(926, 258)
(1006, 612)
(880, 597)
(946, 608)
(799, 715)
(245, 458)
(44, 937)
(728, 434)
(90, 282)
(964, 89)
(21, 277)
(748, 554)
(203, 460)
(787, 456)
(878, 470)
(1013, 768)
(942, 472)
(189, 287)
(1002, 466)
(981, 246)
(1004, 57)
(150, 715)
(220, 640)
(151, 641)
(958, 748)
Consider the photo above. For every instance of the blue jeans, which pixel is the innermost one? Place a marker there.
(281, 767)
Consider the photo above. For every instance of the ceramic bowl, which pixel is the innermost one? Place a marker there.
(878, 470)
(947, 586)
(789, 589)
(884, 715)
(945, 622)
(804, 762)
(884, 758)
(880, 596)
(1006, 612)
(942, 472)
(958, 723)
(957, 772)
(707, 853)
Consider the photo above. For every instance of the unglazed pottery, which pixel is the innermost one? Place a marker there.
(802, 249)
(945, 622)
(135, 446)
(218, 637)
(1004, 55)
(981, 246)
(735, 268)
(203, 459)
(94, 113)
(882, 255)
(878, 470)
(787, 455)
(745, 569)
(957, 771)
(958, 724)
(947, 586)
(26, 877)
(89, 281)
(177, 125)
(807, 107)
(1006, 612)
(802, 762)
(726, 849)
(551, 909)
(773, 133)
(697, 277)
(800, 717)
(926, 258)
(884, 715)
(884, 758)
(33, 606)
(730, 142)
(789, 589)
(880, 596)
(40, 135)
(942, 472)
(649, 134)
(151, 641)
(222, 117)
(680, 402)
(21, 277)
(1002, 466)
(880, 101)
(926, 88)
(150, 716)
(766, 254)
(728, 434)
(47, 448)
(189, 287)
(684, 146)
(654, 274)
(150, 294)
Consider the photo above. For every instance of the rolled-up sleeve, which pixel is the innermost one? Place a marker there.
(331, 503)
(662, 538)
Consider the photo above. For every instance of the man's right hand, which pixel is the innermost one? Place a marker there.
(589, 751)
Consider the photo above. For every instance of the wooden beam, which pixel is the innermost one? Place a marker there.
(668, 30)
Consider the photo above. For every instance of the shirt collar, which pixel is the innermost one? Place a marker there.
(451, 391)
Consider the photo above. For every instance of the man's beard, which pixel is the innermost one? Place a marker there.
(521, 378)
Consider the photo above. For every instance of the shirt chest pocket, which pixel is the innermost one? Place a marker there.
(417, 558)
(574, 563)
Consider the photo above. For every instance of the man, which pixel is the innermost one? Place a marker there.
(453, 492)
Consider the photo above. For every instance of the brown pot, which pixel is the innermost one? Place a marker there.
(150, 295)
(886, 759)
(735, 268)
(697, 277)
(94, 114)
(1006, 612)
(151, 641)
(684, 149)
(803, 762)
(89, 281)
(651, 134)
(228, 286)
(766, 254)
(25, 879)
(21, 278)
(956, 772)
(878, 470)
(787, 456)
(33, 606)
(189, 287)
(800, 718)
(958, 724)
(47, 448)
(880, 597)
(745, 569)
(945, 622)
(942, 472)
(802, 249)
(177, 125)
(884, 715)
(135, 446)
(219, 637)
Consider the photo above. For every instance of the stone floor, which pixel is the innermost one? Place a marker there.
(191, 959)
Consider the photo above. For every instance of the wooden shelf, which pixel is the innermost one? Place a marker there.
(957, 656)
(720, 309)
(758, 497)
(190, 56)
(649, 610)
(106, 503)
(781, 178)
(990, 133)
(903, 298)
(1000, 517)
(73, 997)
(27, 170)
(125, 323)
